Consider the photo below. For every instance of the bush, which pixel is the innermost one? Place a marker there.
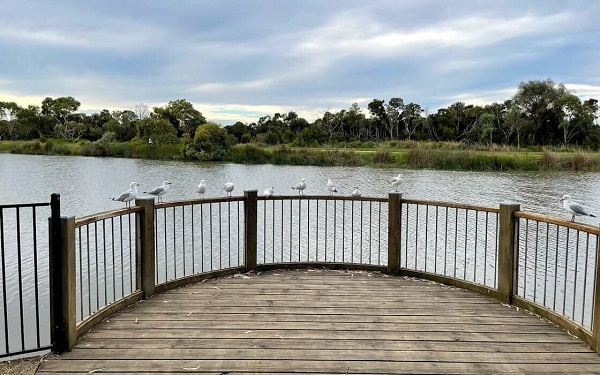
(211, 142)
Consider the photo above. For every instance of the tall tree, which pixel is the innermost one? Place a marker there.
(182, 115)
(60, 108)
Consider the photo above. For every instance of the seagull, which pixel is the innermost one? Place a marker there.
(300, 186)
(160, 190)
(269, 192)
(129, 195)
(331, 187)
(201, 189)
(355, 192)
(574, 208)
(228, 187)
(395, 181)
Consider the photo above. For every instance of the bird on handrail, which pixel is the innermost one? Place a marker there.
(201, 189)
(331, 187)
(159, 191)
(355, 192)
(228, 187)
(574, 208)
(129, 195)
(396, 181)
(300, 186)
(269, 192)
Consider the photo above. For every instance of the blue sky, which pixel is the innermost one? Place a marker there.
(241, 59)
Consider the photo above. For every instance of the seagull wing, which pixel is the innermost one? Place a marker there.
(578, 209)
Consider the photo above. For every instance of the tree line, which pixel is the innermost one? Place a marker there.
(542, 112)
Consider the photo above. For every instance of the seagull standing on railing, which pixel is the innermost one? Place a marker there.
(574, 208)
(269, 192)
(331, 187)
(201, 189)
(356, 193)
(228, 187)
(129, 195)
(160, 190)
(300, 186)
(396, 181)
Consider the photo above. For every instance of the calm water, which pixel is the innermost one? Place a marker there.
(86, 184)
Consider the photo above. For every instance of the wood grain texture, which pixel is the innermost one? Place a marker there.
(319, 321)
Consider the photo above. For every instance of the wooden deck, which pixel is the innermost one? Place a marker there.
(323, 322)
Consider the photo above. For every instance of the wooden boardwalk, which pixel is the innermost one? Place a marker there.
(325, 322)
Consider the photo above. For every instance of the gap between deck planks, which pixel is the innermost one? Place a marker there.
(322, 321)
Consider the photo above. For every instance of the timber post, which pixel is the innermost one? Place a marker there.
(250, 229)
(62, 279)
(394, 215)
(145, 251)
(508, 248)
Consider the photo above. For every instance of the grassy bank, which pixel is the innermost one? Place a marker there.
(447, 156)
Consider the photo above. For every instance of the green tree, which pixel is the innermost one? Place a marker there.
(211, 142)
(9, 126)
(182, 115)
(59, 109)
(156, 131)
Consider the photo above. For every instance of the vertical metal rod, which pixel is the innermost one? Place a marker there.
(265, 231)
(282, 221)
(555, 269)
(89, 270)
(183, 237)
(20, 280)
(317, 234)
(201, 237)
(175, 244)
(272, 231)
(406, 240)
(308, 231)
(351, 230)
(446, 243)
(475, 257)
(465, 252)
(122, 267)
(291, 237)
(299, 228)
(496, 251)
(35, 279)
(4, 302)
(193, 242)
(485, 249)
(546, 261)
(370, 232)
(575, 277)
(566, 270)
(114, 277)
(426, 234)
(80, 272)
(334, 227)
(535, 260)
(220, 237)
(436, 240)
(326, 225)
(97, 268)
(379, 234)
(104, 260)
(210, 216)
(587, 254)
(416, 234)
(361, 234)
(455, 239)
(156, 267)
(238, 232)
(525, 250)
(131, 248)
(166, 247)
(229, 232)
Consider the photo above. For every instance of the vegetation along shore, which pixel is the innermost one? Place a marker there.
(542, 127)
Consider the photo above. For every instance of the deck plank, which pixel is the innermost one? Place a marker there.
(322, 322)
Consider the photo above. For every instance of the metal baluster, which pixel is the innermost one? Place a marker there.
(535, 260)
(546, 261)
(566, 271)
(525, 251)
(35, 280)
(5, 309)
(575, 278)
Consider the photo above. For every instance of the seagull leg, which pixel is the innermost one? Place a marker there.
(573, 219)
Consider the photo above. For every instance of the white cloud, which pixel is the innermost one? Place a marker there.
(584, 91)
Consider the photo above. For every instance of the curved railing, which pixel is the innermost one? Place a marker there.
(545, 265)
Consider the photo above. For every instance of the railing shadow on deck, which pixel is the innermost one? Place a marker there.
(110, 260)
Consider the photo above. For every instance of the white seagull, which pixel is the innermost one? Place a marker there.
(129, 195)
(396, 181)
(355, 192)
(201, 189)
(574, 208)
(300, 186)
(228, 187)
(331, 187)
(269, 192)
(160, 190)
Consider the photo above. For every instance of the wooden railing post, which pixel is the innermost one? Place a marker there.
(508, 248)
(62, 283)
(250, 228)
(394, 210)
(145, 251)
(596, 307)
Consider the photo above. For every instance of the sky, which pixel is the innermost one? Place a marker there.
(239, 60)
